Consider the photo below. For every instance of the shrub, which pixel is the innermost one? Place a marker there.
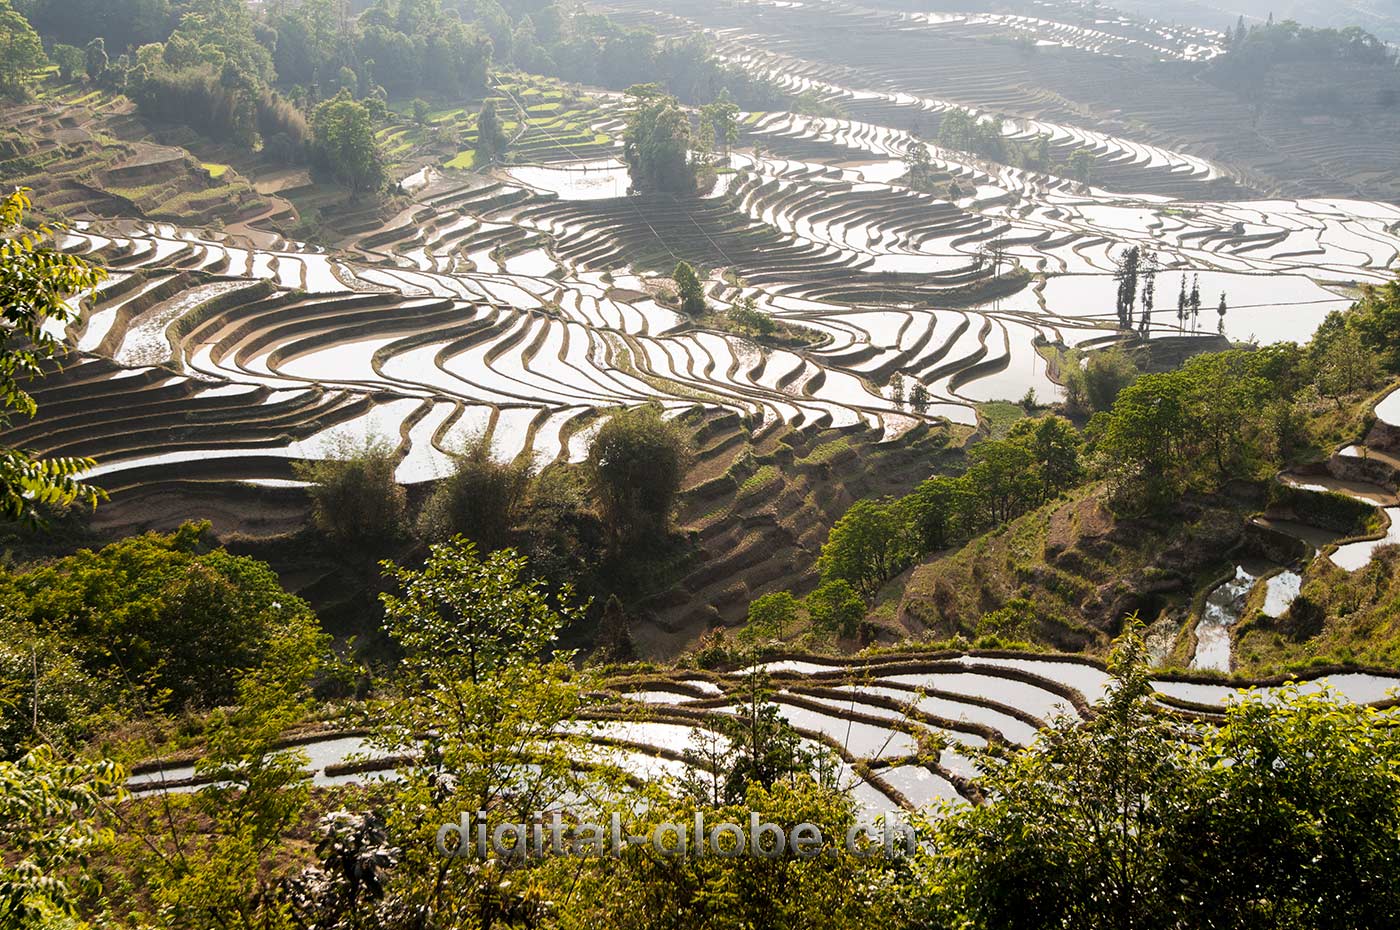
(1014, 621)
(179, 619)
(1105, 374)
(770, 614)
(835, 608)
(480, 500)
(1326, 509)
(635, 466)
(355, 500)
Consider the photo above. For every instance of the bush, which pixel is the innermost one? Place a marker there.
(835, 608)
(1106, 373)
(480, 500)
(1326, 509)
(1014, 621)
(635, 466)
(167, 615)
(745, 314)
(770, 614)
(355, 500)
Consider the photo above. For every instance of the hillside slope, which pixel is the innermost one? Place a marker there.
(1081, 569)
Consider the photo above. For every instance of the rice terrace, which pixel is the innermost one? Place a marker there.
(920, 409)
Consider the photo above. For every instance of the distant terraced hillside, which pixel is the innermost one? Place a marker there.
(1107, 75)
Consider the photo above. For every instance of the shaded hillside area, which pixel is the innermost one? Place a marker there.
(1068, 573)
(759, 506)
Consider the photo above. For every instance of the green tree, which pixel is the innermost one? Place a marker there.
(1141, 440)
(689, 289)
(1126, 273)
(745, 313)
(1226, 392)
(943, 510)
(177, 617)
(46, 694)
(1076, 835)
(1282, 816)
(478, 616)
(70, 60)
(764, 749)
(486, 721)
(705, 137)
(1309, 787)
(21, 52)
(1346, 366)
(491, 140)
(1106, 373)
(344, 146)
(635, 466)
(1376, 317)
(223, 874)
(896, 385)
(1053, 444)
(224, 36)
(95, 59)
(122, 23)
(481, 499)
(1001, 478)
(784, 892)
(869, 545)
(310, 37)
(355, 500)
(657, 143)
(1195, 427)
(919, 398)
(37, 286)
(1081, 165)
(919, 168)
(835, 608)
(770, 614)
(722, 115)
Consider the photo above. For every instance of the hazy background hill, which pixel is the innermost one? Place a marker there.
(1381, 17)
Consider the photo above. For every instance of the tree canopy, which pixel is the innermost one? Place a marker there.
(635, 465)
(176, 616)
(21, 52)
(1284, 815)
(344, 144)
(657, 142)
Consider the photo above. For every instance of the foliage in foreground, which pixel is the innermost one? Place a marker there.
(36, 284)
(1286, 815)
(150, 624)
